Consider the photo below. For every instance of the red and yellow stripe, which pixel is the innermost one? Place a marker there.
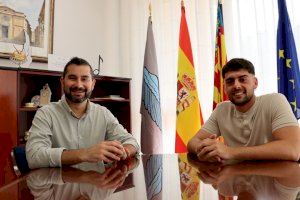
(220, 60)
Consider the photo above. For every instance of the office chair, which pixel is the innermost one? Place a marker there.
(19, 160)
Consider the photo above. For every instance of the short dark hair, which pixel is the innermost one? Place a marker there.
(77, 61)
(237, 64)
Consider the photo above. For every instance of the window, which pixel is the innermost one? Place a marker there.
(4, 32)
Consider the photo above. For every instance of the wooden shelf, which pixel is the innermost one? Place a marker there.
(101, 100)
(28, 109)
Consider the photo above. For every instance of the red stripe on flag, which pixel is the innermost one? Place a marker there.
(184, 41)
(180, 146)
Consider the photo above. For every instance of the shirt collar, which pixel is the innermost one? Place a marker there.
(239, 114)
(67, 107)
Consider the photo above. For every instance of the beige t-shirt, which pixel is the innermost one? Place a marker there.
(254, 127)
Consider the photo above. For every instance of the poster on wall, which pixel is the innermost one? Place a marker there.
(19, 18)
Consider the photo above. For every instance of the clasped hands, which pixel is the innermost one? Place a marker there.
(212, 150)
(212, 173)
(107, 151)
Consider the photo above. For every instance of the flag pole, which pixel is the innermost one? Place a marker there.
(150, 9)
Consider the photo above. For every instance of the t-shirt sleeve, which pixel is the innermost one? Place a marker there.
(282, 114)
(211, 125)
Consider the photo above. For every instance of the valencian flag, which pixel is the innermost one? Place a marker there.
(153, 176)
(151, 135)
(189, 179)
(189, 118)
(287, 61)
(220, 59)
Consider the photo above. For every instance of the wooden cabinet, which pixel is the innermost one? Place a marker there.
(105, 93)
(111, 92)
(8, 104)
(30, 82)
(8, 124)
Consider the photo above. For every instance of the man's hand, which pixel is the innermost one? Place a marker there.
(217, 175)
(112, 178)
(108, 151)
(204, 147)
(217, 150)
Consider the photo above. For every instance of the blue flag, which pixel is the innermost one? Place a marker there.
(287, 61)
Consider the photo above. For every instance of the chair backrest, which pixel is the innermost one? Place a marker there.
(19, 159)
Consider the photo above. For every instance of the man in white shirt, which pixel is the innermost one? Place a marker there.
(75, 130)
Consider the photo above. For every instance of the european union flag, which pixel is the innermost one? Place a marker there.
(287, 61)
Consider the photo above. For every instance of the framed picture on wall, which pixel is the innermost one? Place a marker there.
(30, 22)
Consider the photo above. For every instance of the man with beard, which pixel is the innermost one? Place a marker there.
(253, 128)
(75, 130)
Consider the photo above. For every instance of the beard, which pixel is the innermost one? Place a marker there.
(74, 98)
(240, 101)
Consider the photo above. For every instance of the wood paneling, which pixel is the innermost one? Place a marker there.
(8, 123)
(8, 103)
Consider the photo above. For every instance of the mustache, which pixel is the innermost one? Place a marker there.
(78, 89)
(237, 90)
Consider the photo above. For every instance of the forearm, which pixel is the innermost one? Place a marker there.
(276, 150)
(73, 175)
(192, 145)
(72, 157)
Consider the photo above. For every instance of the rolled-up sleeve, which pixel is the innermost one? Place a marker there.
(39, 151)
(115, 131)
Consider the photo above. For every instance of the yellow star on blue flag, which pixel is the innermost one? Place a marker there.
(287, 62)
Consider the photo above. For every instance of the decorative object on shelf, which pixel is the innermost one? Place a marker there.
(22, 58)
(36, 100)
(26, 135)
(29, 105)
(113, 96)
(37, 19)
(45, 95)
(97, 71)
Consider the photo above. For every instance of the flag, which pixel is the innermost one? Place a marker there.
(189, 118)
(220, 59)
(287, 61)
(153, 172)
(151, 134)
(189, 179)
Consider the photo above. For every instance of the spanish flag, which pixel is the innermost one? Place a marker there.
(189, 179)
(189, 118)
(220, 59)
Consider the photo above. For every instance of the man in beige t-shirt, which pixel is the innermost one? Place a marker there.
(253, 128)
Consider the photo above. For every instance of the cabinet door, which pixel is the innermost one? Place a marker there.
(8, 123)
(8, 103)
